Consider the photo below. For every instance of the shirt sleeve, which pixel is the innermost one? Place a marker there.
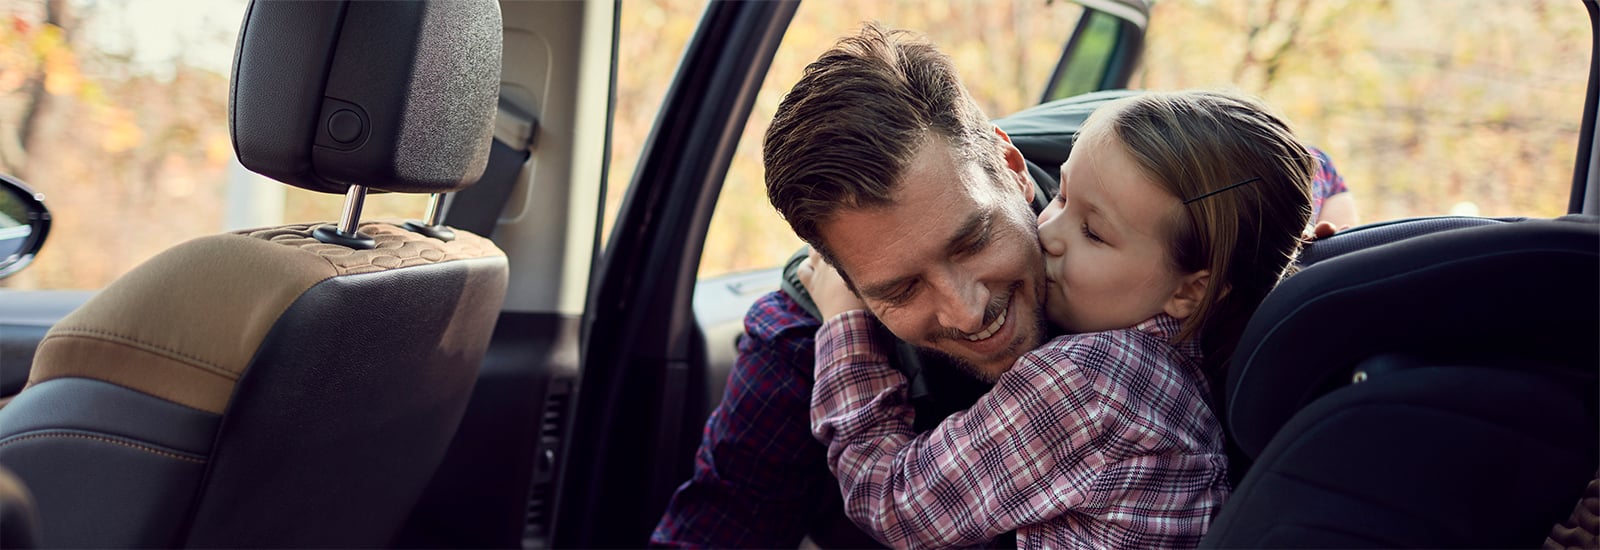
(1142, 501)
(1327, 182)
(1026, 452)
(759, 478)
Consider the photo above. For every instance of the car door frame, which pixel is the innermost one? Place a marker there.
(639, 333)
(643, 380)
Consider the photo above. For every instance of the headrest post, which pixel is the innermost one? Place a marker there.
(354, 199)
(348, 233)
(433, 222)
(435, 216)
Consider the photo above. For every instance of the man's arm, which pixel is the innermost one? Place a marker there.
(759, 478)
(1330, 196)
(1339, 210)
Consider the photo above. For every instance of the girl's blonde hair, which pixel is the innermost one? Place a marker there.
(1201, 146)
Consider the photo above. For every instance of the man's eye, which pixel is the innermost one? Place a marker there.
(1090, 234)
(903, 295)
(975, 245)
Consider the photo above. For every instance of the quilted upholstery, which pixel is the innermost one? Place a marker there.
(396, 247)
(180, 328)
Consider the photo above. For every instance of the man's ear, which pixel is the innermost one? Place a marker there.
(1186, 299)
(1016, 165)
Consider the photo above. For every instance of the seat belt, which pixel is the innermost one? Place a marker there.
(477, 208)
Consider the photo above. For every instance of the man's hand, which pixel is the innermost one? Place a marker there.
(827, 287)
(1322, 230)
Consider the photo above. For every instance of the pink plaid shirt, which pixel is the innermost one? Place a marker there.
(1101, 440)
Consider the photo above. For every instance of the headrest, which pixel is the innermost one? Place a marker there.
(396, 96)
(1520, 293)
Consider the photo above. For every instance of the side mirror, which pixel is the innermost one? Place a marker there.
(24, 222)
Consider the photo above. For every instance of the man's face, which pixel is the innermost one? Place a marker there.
(954, 264)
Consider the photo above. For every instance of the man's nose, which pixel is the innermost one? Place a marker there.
(963, 301)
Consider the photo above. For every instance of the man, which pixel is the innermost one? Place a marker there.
(881, 114)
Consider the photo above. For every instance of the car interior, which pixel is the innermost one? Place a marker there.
(499, 373)
(342, 347)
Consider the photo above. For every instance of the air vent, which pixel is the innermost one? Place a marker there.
(541, 496)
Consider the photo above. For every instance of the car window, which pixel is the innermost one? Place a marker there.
(1083, 66)
(116, 111)
(1427, 107)
(651, 37)
(1005, 51)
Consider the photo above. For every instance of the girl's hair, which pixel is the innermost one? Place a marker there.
(1200, 146)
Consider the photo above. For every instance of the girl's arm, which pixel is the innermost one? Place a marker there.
(1026, 452)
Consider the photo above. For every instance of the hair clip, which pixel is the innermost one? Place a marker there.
(1204, 195)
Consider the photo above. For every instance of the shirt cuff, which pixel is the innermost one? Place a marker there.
(846, 339)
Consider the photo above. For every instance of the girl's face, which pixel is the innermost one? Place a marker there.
(1105, 243)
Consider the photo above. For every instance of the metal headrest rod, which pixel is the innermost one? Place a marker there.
(433, 224)
(347, 233)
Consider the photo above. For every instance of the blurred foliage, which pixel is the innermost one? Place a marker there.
(133, 155)
(1427, 106)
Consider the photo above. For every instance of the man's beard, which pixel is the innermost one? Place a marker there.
(1041, 329)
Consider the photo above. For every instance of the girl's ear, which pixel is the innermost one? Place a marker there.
(1191, 290)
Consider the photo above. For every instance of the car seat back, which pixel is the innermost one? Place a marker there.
(288, 386)
(1437, 390)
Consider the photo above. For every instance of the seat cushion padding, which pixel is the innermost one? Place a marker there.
(184, 325)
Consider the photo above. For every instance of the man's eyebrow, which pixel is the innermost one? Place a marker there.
(970, 232)
(881, 290)
(974, 230)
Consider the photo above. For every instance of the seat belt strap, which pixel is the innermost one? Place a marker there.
(477, 208)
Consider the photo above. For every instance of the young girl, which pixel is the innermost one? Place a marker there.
(1177, 213)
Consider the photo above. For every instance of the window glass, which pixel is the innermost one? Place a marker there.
(1005, 52)
(1427, 107)
(116, 111)
(1084, 68)
(651, 36)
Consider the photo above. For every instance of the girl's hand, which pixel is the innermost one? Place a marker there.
(827, 287)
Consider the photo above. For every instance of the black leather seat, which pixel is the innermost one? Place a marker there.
(1427, 383)
(295, 385)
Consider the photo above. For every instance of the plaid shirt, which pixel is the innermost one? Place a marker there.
(759, 478)
(1326, 183)
(1100, 440)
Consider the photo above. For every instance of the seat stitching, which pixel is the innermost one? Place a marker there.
(106, 440)
(145, 346)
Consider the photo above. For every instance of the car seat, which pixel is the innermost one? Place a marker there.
(1426, 383)
(289, 386)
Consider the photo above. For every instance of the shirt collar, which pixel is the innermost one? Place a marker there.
(1167, 328)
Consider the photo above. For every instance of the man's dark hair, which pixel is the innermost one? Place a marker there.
(847, 131)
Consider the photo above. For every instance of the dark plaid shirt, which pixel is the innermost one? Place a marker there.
(759, 478)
